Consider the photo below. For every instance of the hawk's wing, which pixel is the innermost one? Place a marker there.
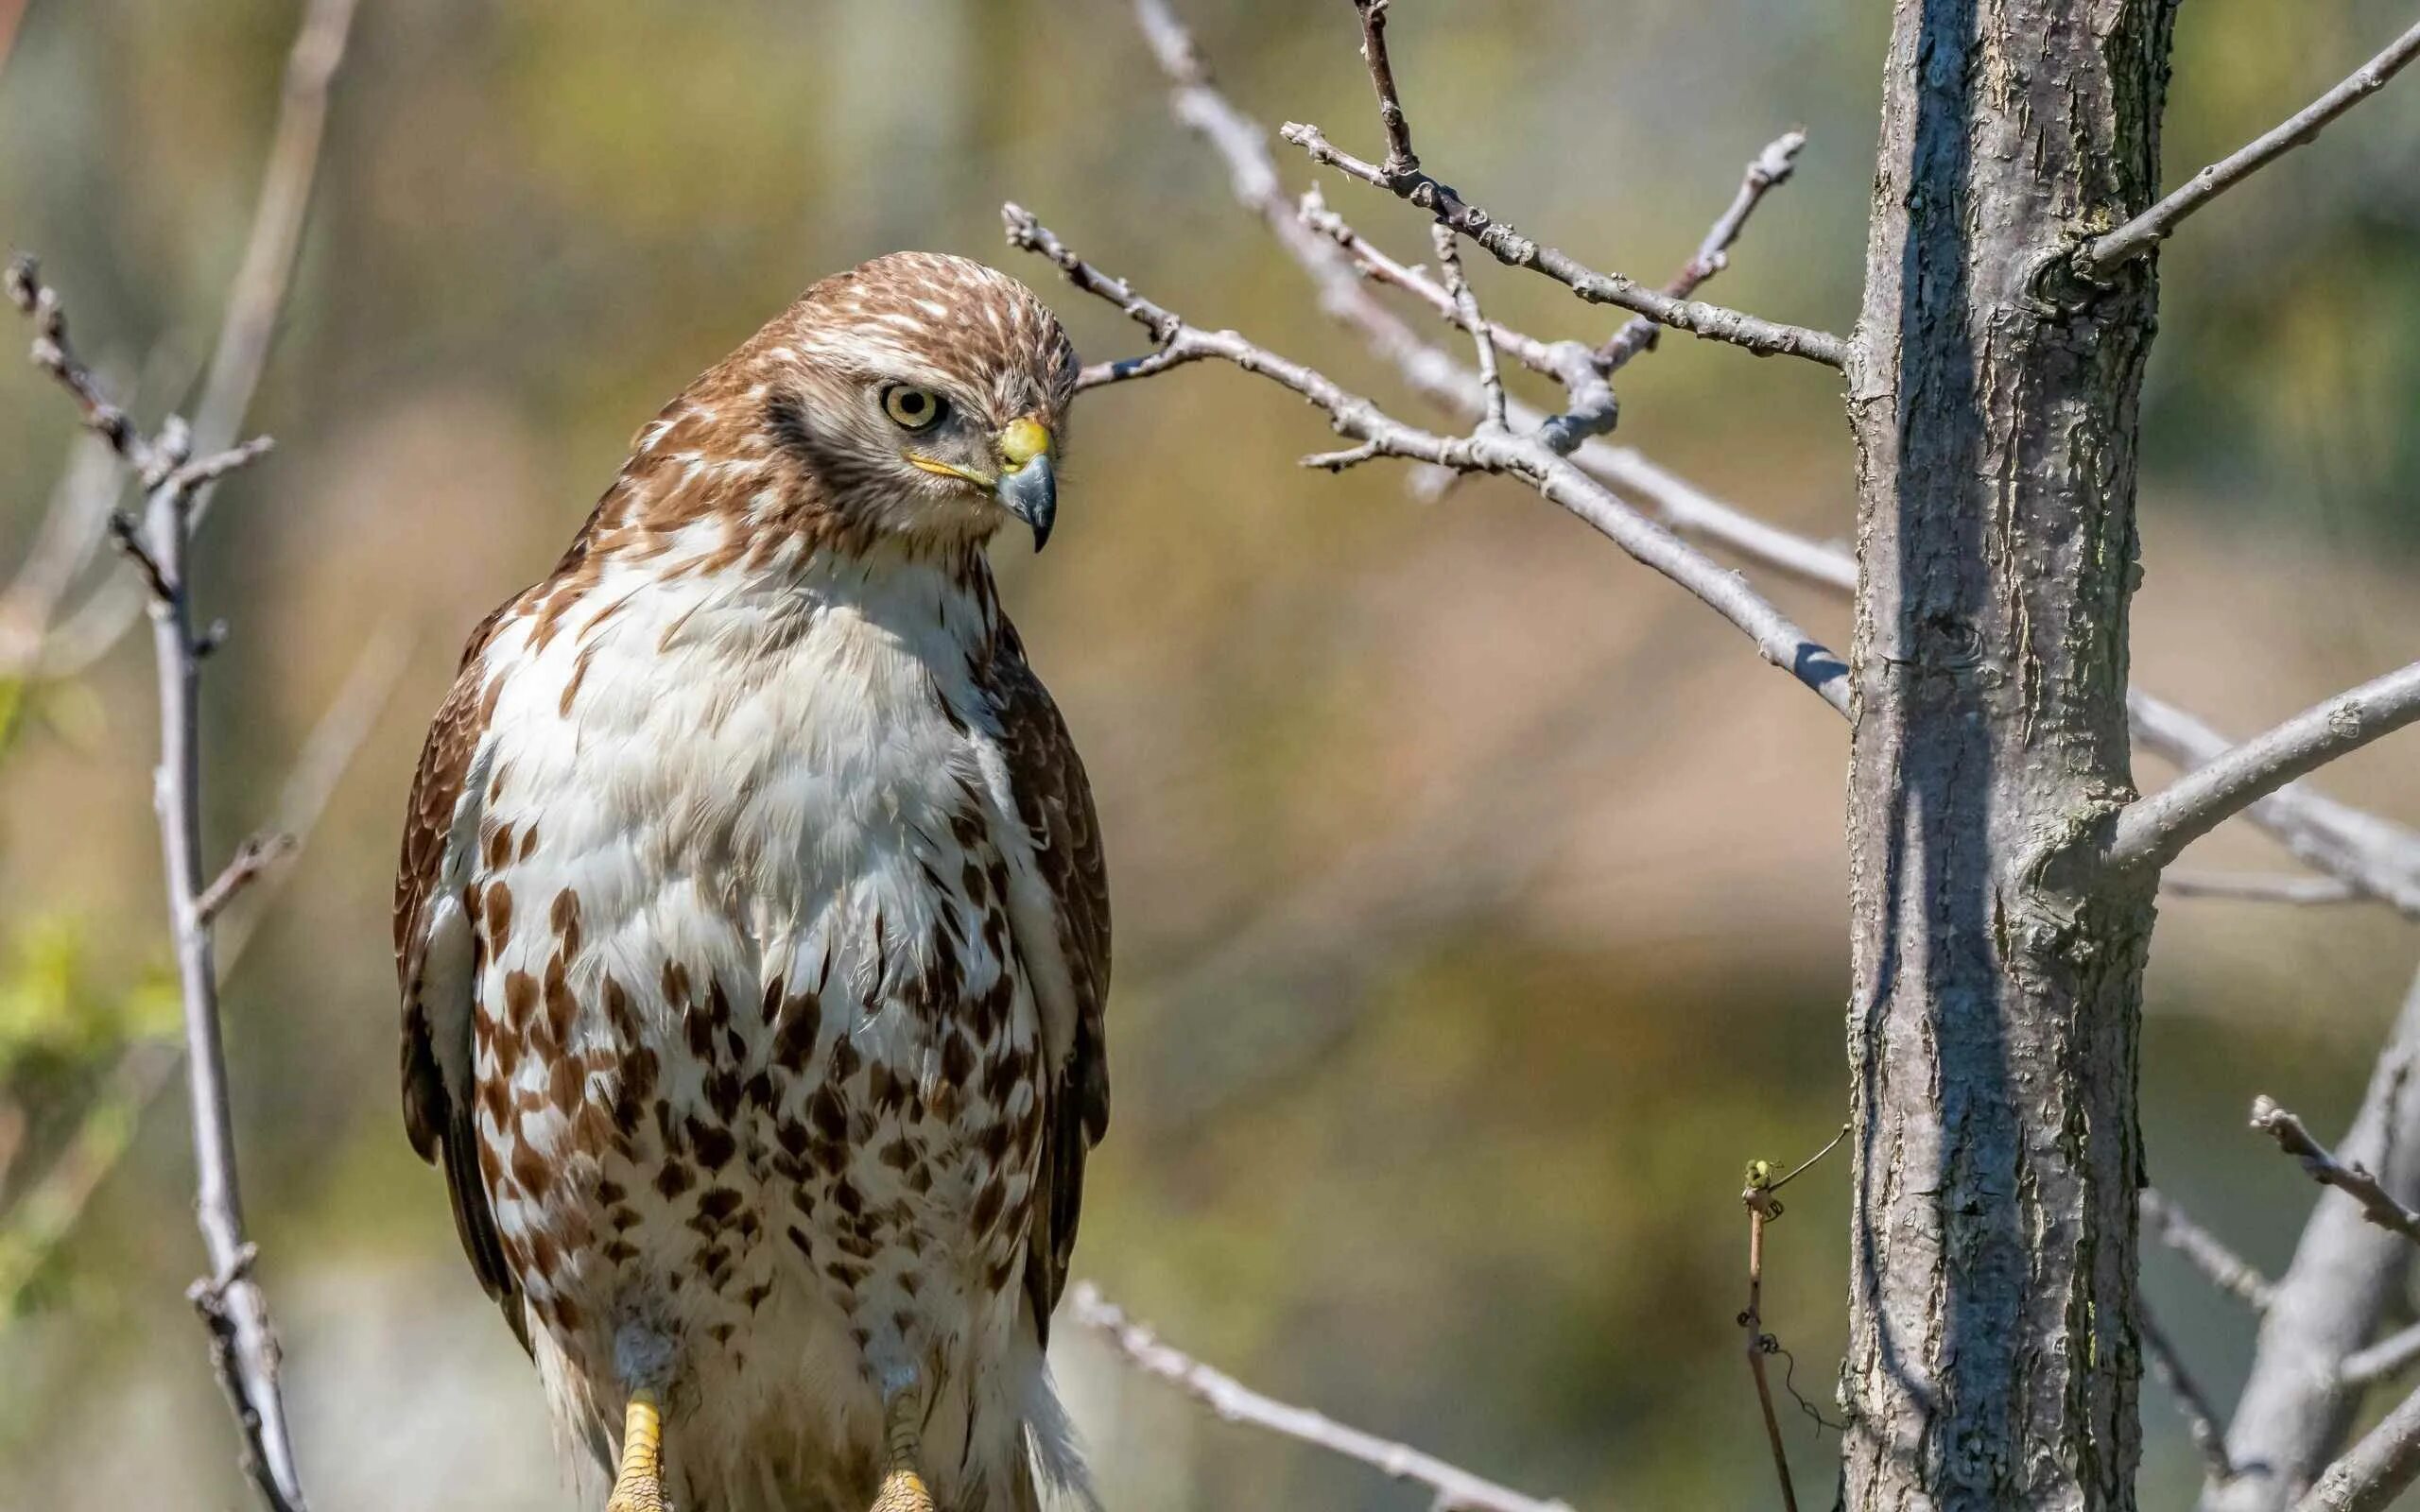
(1063, 923)
(436, 963)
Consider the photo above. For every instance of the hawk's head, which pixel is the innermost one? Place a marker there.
(918, 396)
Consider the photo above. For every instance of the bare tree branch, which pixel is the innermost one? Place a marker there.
(1778, 638)
(1457, 1489)
(2153, 226)
(1767, 171)
(1400, 158)
(2377, 1204)
(2260, 887)
(1711, 321)
(1401, 176)
(2200, 1423)
(2376, 1472)
(2377, 855)
(2151, 830)
(2221, 1267)
(255, 856)
(230, 1301)
(1592, 407)
(1466, 302)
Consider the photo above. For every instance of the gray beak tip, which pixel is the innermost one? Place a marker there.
(1031, 493)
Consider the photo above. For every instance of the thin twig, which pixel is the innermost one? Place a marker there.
(1400, 175)
(2153, 226)
(1400, 158)
(2260, 887)
(2151, 830)
(1762, 1209)
(1508, 247)
(2222, 1267)
(2377, 1205)
(2201, 1422)
(255, 856)
(54, 352)
(1591, 408)
(1458, 289)
(1457, 1489)
(1767, 171)
(1776, 636)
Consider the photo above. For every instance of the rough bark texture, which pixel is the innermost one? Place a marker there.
(2294, 1414)
(1991, 1359)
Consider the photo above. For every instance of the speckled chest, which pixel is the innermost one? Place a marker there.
(752, 1029)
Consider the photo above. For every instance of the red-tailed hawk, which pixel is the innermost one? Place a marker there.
(753, 934)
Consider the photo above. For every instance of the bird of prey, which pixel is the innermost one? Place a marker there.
(754, 935)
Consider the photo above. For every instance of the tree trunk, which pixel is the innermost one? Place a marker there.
(1991, 1358)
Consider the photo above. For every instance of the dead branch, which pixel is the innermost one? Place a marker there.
(1457, 1489)
(1779, 640)
(2153, 226)
(1401, 176)
(1767, 171)
(2377, 1205)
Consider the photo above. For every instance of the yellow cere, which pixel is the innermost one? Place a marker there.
(1023, 439)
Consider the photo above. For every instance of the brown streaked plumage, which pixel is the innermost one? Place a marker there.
(754, 931)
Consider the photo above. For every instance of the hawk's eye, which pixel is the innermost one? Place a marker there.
(914, 408)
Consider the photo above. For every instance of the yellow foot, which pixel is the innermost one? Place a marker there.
(639, 1486)
(903, 1489)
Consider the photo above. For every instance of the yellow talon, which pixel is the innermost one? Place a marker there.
(639, 1487)
(903, 1489)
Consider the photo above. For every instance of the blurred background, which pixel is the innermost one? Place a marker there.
(1480, 898)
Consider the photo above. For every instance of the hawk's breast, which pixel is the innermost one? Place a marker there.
(756, 1058)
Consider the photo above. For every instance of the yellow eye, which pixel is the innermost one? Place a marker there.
(912, 407)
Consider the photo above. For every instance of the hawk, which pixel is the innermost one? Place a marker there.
(754, 935)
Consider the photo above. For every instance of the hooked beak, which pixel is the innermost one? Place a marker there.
(1028, 486)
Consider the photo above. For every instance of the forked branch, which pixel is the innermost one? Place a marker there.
(1776, 636)
(1402, 176)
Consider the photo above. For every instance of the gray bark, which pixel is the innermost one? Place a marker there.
(2294, 1413)
(1991, 1358)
